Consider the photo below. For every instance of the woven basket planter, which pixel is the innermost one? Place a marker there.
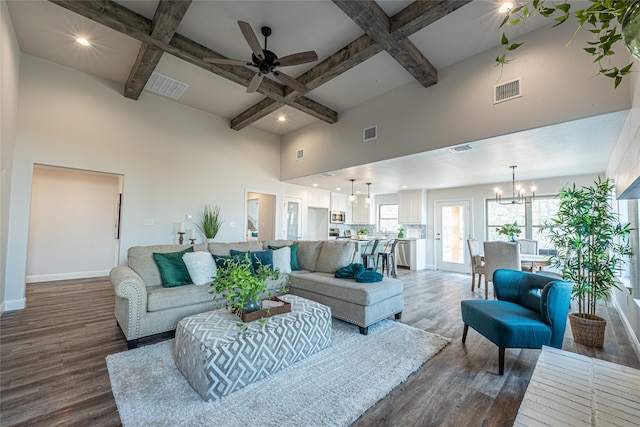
(587, 331)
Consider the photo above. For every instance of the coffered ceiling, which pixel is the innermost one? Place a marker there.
(364, 49)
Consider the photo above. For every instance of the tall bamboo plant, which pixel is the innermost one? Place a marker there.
(210, 221)
(590, 241)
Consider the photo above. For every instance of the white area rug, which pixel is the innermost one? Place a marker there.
(330, 388)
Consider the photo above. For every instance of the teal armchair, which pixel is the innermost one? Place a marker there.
(530, 311)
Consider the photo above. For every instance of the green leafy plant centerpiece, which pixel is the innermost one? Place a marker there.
(608, 20)
(591, 245)
(210, 221)
(511, 230)
(240, 285)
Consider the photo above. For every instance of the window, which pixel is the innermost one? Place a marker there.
(531, 218)
(388, 218)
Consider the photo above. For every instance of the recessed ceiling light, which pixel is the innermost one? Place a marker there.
(315, 185)
(83, 41)
(282, 118)
(505, 7)
(338, 188)
(404, 186)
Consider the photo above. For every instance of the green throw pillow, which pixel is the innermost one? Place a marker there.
(257, 258)
(295, 265)
(173, 270)
(221, 261)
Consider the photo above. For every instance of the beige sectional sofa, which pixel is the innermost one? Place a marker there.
(143, 307)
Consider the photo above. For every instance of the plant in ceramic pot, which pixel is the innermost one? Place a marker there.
(609, 20)
(241, 285)
(210, 221)
(511, 230)
(591, 245)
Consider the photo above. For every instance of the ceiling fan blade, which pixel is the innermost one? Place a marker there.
(291, 82)
(297, 58)
(254, 84)
(225, 61)
(251, 39)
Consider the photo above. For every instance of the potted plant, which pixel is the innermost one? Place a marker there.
(362, 232)
(511, 230)
(400, 233)
(210, 221)
(591, 245)
(609, 21)
(241, 285)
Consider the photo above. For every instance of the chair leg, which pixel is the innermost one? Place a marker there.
(464, 333)
(501, 360)
(486, 288)
(473, 281)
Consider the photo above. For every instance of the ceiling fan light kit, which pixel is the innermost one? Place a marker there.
(267, 61)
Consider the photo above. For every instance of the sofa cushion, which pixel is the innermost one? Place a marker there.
(173, 271)
(201, 267)
(334, 255)
(218, 248)
(347, 289)
(140, 260)
(308, 252)
(159, 298)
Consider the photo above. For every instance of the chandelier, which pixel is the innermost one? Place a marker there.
(517, 192)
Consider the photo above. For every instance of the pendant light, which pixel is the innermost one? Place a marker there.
(367, 201)
(353, 200)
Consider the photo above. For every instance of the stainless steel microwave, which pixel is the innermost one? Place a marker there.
(338, 217)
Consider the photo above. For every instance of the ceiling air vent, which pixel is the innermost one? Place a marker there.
(370, 133)
(300, 154)
(507, 91)
(165, 86)
(460, 148)
(327, 174)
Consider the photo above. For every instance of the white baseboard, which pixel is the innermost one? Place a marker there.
(627, 326)
(66, 276)
(14, 304)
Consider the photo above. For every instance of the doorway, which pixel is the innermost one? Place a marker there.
(451, 228)
(74, 227)
(293, 212)
(261, 216)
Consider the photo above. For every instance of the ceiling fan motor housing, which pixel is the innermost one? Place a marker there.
(265, 66)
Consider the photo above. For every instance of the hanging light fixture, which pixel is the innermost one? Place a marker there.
(353, 200)
(367, 201)
(517, 192)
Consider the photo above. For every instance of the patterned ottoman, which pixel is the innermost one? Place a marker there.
(217, 359)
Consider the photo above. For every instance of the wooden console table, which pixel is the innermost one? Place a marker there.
(568, 389)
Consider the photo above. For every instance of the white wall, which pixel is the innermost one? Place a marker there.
(558, 85)
(478, 195)
(72, 231)
(9, 77)
(174, 159)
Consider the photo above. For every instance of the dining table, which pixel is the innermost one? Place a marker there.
(532, 262)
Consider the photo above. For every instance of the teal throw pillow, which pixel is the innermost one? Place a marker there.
(257, 258)
(173, 270)
(221, 260)
(295, 265)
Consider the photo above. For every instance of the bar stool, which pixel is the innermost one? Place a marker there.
(369, 253)
(388, 257)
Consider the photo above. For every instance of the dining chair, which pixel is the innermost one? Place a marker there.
(369, 253)
(477, 265)
(499, 255)
(528, 246)
(388, 257)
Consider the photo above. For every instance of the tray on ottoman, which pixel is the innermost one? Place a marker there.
(217, 359)
(267, 312)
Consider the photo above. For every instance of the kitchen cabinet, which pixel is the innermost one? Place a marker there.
(412, 253)
(319, 198)
(412, 207)
(360, 213)
(338, 202)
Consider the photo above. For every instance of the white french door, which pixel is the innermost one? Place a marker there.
(293, 218)
(452, 226)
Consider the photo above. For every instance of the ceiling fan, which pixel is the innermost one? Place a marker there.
(266, 61)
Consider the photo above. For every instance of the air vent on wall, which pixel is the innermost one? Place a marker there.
(300, 154)
(370, 133)
(165, 86)
(507, 91)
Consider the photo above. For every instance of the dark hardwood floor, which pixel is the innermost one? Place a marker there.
(53, 371)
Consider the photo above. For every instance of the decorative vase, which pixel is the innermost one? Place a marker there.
(250, 306)
(631, 29)
(400, 234)
(587, 331)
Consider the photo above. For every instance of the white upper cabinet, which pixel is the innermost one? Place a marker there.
(319, 198)
(338, 202)
(360, 213)
(412, 207)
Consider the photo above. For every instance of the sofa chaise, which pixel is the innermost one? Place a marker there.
(143, 307)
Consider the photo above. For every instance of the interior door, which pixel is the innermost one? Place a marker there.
(293, 211)
(452, 226)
